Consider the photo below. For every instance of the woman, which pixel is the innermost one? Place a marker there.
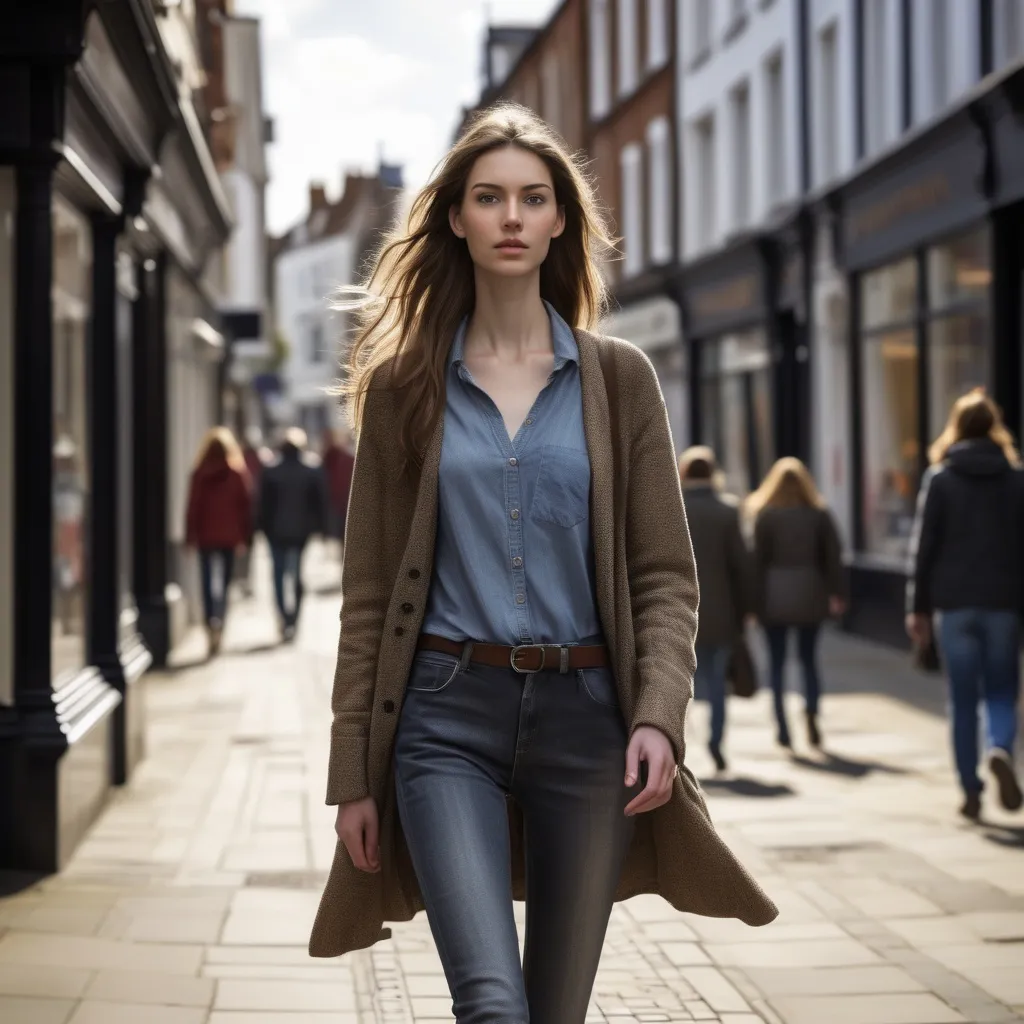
(967, 552)
(218, 521)
(519, 601)
(797, 556)
(724, 576)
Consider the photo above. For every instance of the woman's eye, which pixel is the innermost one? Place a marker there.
(539, 200)
(486, 198)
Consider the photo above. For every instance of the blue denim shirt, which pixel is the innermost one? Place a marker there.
(514, 559)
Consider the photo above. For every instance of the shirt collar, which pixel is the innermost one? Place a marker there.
(562, 339)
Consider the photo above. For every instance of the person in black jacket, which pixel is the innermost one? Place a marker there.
(293, 505)
(966, 565)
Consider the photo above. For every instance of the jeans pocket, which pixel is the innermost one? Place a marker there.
(598, 685)
(432, 671)
(562, 492)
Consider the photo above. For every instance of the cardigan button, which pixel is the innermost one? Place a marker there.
(399, 631)
(389, 707)
(414, 574)
(407, 608)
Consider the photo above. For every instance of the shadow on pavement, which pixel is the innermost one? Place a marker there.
(14, 882)
(836, 765)
(1003, 835)
(744, 786)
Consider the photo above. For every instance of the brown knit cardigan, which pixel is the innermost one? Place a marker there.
(647, 600)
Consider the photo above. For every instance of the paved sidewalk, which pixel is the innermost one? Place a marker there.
(191, 901)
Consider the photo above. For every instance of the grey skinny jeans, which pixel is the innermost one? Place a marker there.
(470, 736)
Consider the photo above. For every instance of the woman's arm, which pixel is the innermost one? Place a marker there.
(192, 513)
(833, 554)
(741, 569)
(363, 608)
(661, 570)
(924, 539)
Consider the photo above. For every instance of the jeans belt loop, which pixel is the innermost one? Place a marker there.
(564, 660)
(466, 656)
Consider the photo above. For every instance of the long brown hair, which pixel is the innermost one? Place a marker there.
(421, 284)
(974, 416)
(217, 443)
(789, 484)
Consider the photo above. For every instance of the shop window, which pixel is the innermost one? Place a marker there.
(72, 281)
(891, 449)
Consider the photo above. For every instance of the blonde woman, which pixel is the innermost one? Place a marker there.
(801, 582)
(218, 521)
(519, 601)
(967, 560)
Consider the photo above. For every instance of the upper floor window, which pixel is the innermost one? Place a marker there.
(626, 34)
(658, 29)
(827, 103)
(1008, 25)
(631, 176)
(939, 12)
(741, 155)
(659, 191)
(876, 97)
(551, 89)
(600, 60)
(707, 186)
(775, 128)
(701, 22)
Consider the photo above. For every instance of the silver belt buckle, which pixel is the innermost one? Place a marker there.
(516, 651)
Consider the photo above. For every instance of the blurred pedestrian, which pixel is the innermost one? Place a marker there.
(256, 456)
(800, 579)
(218, 522)
(292, 508)
(519, 600)
(338, 462)
(967, 569)
(725, 577)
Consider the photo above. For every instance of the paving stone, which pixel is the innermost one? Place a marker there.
(127, 1013)
(22, 980)
(286, 996)
(826, 953)
(35, 1011)
(836, 981)
(150, 988)
(859, 1009)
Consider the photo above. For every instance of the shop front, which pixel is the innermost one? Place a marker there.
(918, 245)
(732, 368)
(654, 325)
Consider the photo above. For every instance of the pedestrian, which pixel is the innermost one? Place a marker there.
(966, 565)
(519, 600)
(292, 508)
(338, 461)
(218, 522)
(725, 578)
(800, 580)
(256, 456)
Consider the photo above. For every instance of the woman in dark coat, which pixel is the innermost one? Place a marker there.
(725, 579)
(800, 576)
(218, 521)
(967, 559)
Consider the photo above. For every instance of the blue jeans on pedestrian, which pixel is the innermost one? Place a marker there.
(287, 559)
(469, 738)
(981, 649)
(712, 664)
(215, 598)
(807, 649)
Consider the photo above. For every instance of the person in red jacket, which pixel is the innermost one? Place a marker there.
(219, 521)
(338, 461)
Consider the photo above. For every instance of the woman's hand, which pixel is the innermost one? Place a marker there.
(359, 829)
(919, 629)
(653, 746)
(836, 607)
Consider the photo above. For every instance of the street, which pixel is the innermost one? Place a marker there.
(191, 900)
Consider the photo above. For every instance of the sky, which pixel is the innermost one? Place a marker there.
(348, 80)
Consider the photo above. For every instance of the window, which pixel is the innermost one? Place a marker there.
(829, 115)
(7, 208)
(775, 126)
(940, 70)
(959, 278)
(700, 32)
(600, 62)
(626, 34)
(876, 74)
(551, 89)
(1008, 22)
(658, 44)
(631, 170)
(659, 191)
(707, 191)
(741, 155)
(315, 342)
(72, 313)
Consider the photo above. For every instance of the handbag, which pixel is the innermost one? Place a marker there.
(926, 656)
(741, 675)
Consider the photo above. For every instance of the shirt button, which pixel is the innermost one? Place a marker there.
(514, 513)
(399, 631)
(520, 599)
(513, 462)
(529, 421)
(407, 607)
(517, 562)
(389, 707)
(414, 574)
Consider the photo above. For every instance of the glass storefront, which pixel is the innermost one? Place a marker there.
(736, 406)
(7, 208)
(953, 321)
(72, 285)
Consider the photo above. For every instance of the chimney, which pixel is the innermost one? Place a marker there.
(317, 196)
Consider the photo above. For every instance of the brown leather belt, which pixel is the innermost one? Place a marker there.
(525, 658)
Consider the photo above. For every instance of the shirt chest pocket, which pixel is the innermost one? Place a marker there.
(562, 492)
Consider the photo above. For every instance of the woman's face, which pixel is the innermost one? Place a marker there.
(508, 213)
